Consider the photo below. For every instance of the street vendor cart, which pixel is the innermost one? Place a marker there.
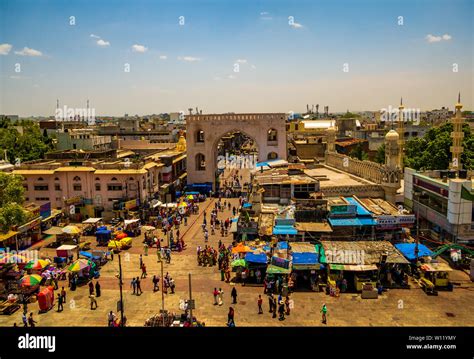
(435, 276)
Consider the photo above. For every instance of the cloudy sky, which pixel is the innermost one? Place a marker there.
(152, 56)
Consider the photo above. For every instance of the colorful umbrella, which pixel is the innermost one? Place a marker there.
(190, 196)
(183, 204)
(79, 265)
(239, 263)
(148, 228)
(39, 264)
(30, 280)
(71, 230)
(241, 248)
(121, 235)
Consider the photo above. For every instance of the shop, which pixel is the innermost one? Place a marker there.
(305, 271)
(9, 240)
(29, 233)
(257, 267)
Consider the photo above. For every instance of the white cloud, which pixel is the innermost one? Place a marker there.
(29, 52)
(296, 25)
(241, 61)
(5, 49)
(232, 77)
(95, 36)
(263, 13)
(253, 67)
(103, 43)
(434, 38)
(188, 58)
(139, 48)
(163, 57)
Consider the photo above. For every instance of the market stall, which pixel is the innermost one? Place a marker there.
(132, 227)
(90, 226)
(103, 235)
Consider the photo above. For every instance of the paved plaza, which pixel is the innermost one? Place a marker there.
(403, 307)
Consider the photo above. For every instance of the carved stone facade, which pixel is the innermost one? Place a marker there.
(203, 133)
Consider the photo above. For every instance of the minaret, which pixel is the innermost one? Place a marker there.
(392, 149)
(401, 134)
(331, 139)
(457, 136)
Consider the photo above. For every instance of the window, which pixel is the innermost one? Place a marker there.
(41, 187)
(40, 179)
(77, 179)
(97, 186)
(77, 187)
(57, 187)
(39, 199)
(200, 136)
(272, 156)
(97, 179)
(25, 186)
(272, 135)
(200, 162)
(114, 179)
(114, 187)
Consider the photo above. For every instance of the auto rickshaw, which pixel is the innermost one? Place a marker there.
(435, 276)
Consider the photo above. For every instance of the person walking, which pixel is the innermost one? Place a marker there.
(111, 319)
(139, 288)
(133, 284)
(230, 317)
(274, 306)
(324, 311)
(97, 289)
(143, 271)
(172, 285)
(112, 255)
(141, 261)
(93, 302)
(287, 305)
(91, 288)
(233, 294)
(259, 303)
(31, 321)
(215, 293)
(281, 310)
(270, 303)
(156, 281)
(220, 299)
(145, 249)
(60, 302)
(63, 294)
(24, 320)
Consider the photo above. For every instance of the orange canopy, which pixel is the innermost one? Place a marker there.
(241, 248)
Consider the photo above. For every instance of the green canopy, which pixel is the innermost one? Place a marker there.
(239, 263)
(273, 269)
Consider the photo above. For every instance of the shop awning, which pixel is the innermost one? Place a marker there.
(92, 220)
(353, 267)
(273, 269)
(130, 221)
(408, 250)
(256, 258)
(8, 235)
(305, 258)
(54, 231)
(284, 230)
(313, 227)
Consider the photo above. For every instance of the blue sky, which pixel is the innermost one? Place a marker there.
(282, 67)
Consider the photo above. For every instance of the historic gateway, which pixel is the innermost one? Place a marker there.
(203, 133)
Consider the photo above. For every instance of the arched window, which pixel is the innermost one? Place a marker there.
(77, 179)
(200, 162)
(97, 179)
(56, 178)
(40, 179)
(272, 135)
(200, 136)
(272, 156)
(114, 179)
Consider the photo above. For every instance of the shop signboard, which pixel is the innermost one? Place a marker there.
(345, 209)
(131, 204)
(280, 262)
(45, 210)
(73, 201)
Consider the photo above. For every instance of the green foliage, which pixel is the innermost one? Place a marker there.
(11, 189)
(12, 214)
(380, 155)
(31, 145)
(432, 152)
(359, 153)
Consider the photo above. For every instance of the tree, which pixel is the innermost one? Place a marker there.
(28, 145)
(432, 152)
(12, 214)
(11, 189)
(380, 154)
(359, 153)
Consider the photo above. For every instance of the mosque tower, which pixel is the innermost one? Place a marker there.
(457, 136)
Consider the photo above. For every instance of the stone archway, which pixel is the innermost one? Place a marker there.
(211, 128)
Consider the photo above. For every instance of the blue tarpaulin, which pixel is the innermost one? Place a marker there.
(305, 258)
(256, 258)
(284, 230)
(103, 231)
(282, 245)
(88, 255)
(361, 211)
(408, 250)
(247, 205)
(340, 222)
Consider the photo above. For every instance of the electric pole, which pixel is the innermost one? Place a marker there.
(121, 295)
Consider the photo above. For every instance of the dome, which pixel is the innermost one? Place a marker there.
(392, 135)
